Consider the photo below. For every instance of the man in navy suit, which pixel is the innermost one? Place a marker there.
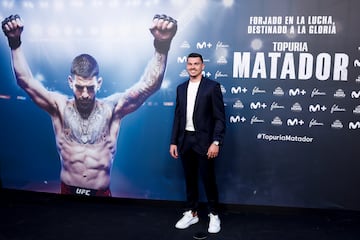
(197, 134)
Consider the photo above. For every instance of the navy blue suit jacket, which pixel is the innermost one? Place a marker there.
(208, 116)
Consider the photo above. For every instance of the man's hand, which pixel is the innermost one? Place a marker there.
(213, 151)
(173, 151)
(12, 27)
(163, 30)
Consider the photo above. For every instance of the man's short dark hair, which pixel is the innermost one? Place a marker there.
(84, 66)
(195, 55)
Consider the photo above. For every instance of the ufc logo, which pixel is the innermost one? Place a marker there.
(82, 191)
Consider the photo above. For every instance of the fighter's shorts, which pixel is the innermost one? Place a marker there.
(66, 189)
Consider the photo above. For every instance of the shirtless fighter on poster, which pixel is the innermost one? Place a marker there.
(86, 128)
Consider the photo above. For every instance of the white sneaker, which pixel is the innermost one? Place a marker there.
(214, 224)
(188, 219)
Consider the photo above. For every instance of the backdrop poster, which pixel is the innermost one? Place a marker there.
(289, 72)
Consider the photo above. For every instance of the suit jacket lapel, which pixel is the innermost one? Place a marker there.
(200, 89)
(184, 92)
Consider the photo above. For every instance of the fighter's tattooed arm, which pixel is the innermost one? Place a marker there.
(149, 83)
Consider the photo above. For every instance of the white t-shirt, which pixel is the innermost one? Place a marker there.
(191, 96)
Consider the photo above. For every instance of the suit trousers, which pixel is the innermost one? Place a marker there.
(194, 164)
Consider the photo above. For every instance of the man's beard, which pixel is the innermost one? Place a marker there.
(85, 106)
(194, 75)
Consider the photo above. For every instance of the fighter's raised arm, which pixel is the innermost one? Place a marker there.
(163, 29)
(12, 27)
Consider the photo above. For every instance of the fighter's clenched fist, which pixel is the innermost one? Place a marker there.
(12, 26)
(163, 29)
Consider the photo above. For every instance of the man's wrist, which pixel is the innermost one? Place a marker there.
(217, 143)
(162, 46)
(14, 42)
